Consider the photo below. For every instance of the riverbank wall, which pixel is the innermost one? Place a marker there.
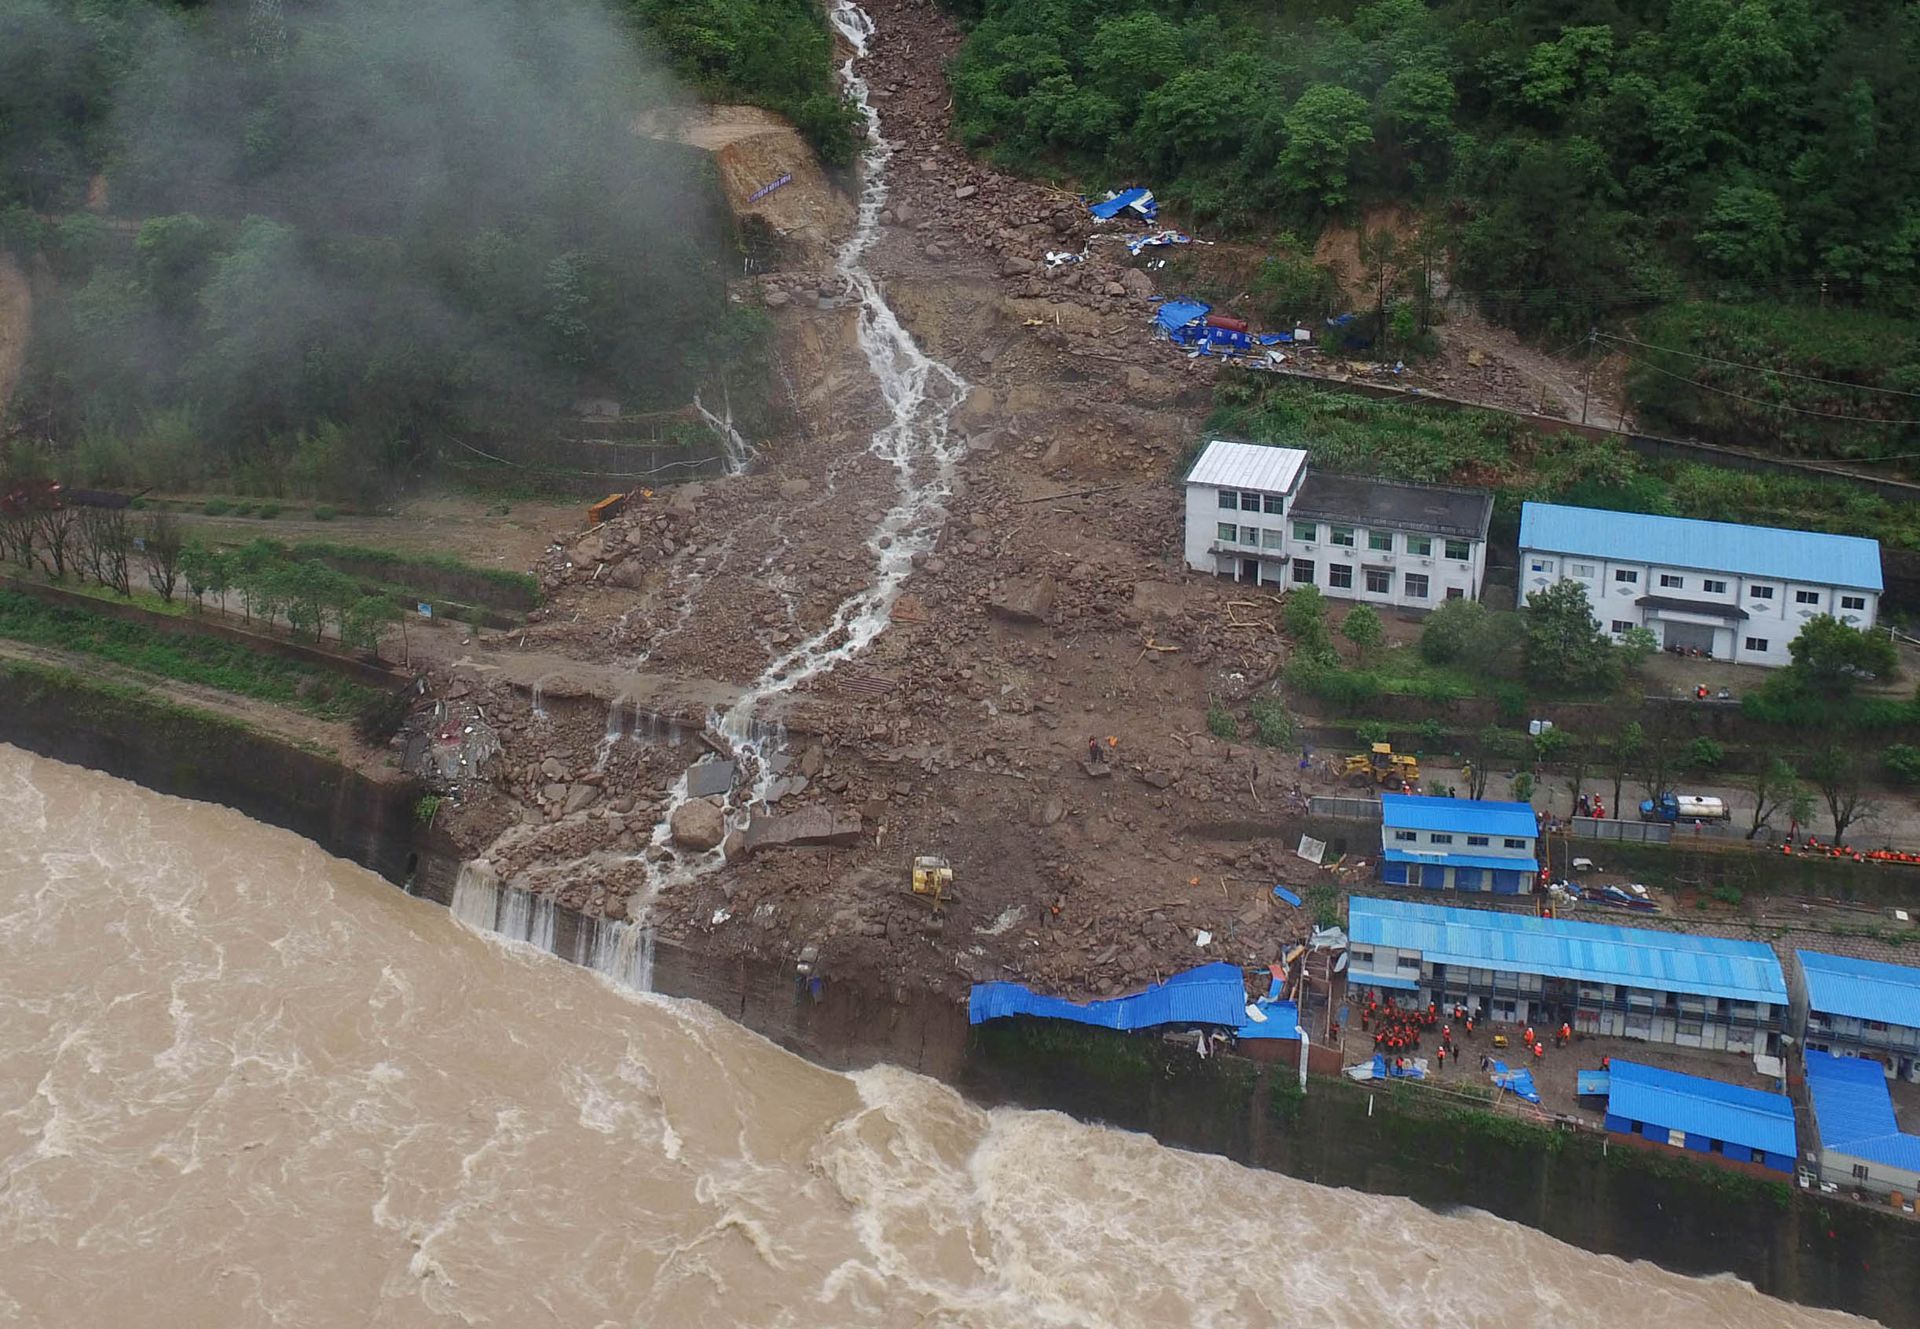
(1581, 1187)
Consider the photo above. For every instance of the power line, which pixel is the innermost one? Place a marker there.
(1757, 369)
(1775, 405)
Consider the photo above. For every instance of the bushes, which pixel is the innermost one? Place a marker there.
(1220, 722)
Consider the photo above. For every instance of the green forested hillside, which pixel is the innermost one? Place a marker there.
(295, 245)
(1588, 157)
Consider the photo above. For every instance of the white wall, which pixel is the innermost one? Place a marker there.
(1496, 846)
(1442, 573)
(1774, 619)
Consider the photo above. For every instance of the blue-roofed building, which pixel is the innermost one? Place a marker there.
(1860, 1008)
(1665, 987)
(1461, 844)
(1739, 593)
(1858, 1138)
(1706, 1116)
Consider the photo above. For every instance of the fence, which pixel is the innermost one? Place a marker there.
(1350, 809)
(1608, 828)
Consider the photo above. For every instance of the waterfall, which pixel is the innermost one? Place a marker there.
(483, 903)
(616, 730)
(620, 951)
(733, 447)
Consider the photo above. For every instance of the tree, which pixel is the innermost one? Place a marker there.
(1832, 657)
(106, 544)
(1486, 749)
(1659, 756)
(1637, 646)
(1380, 265)
(1776, 788)
(1746, 234)
(164, 543)
(1902, 762)
(1624, 756)
(196, 569)
(367, 621)
(1324, 128)
(1564, 644)
(55, 531)
(1838, 772)
(1362, 627)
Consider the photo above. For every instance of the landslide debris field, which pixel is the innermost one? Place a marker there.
(1044, 604)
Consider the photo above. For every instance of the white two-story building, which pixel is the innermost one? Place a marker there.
(1256, 514)
(1739, 593)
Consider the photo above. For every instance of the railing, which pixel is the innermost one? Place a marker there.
(1635, 832)
(1353, 809)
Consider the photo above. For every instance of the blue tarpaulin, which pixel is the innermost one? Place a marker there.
(1388, 1070)
(1139, 200)
(1211, 994)
(1518, 1083)
(1586, 1083)
(1175, 314)
(1282, 893)
(1283, 1021)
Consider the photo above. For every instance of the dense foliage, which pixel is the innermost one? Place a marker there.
(299, 252)
(1594, 156)
(1427, 444)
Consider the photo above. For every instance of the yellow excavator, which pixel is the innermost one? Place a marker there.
(1382, 766)
(933, 878)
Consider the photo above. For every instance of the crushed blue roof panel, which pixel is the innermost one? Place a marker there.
(1861, 989)
(1175, 314)
(1282, 1022)
(1732, 1113)
(1211, 994)
(1492, 861)
(1140, 200)
(1468, 816)
(1712, 546)
(1558, 948)
(1854, 1112)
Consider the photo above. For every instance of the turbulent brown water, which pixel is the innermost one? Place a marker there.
(243, 1083)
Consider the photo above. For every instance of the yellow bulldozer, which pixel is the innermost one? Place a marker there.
(1382, 766)
(933, 878)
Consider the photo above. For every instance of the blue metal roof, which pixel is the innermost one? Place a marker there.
(1862, 989)
(1493, 861)
(1712, 546)
(1211, 994)
(1699, 1106)
(1136, 197)
(1468, 816)
(1854, 1112)
(1559, 948)
(1357, 978)
(1282, 1022)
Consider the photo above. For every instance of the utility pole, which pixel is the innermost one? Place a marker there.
(1586, 386)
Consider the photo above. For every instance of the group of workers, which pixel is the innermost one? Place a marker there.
(1397, 1030)
(1817, 848)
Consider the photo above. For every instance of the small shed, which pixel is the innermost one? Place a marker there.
(1861, 1143)
(1705, 1116)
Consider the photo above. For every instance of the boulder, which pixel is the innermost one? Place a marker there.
(697, 824)
(966, 191)
(1018, 267)
(815, 826)
(1024, 599)
(580, 798)
(775, 298)
(1136, 282)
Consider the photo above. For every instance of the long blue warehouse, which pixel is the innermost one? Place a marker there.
(1665, 987)
(1462, 844)
(1706, 1116)
(1862, 1008)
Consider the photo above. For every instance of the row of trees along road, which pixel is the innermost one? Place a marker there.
(111, 546)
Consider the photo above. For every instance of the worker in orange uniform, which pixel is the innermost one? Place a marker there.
(1539, 1051)
(1527, 1038)
(1566, 1034)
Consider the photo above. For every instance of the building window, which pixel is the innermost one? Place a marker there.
(1512, 842)
(1380, 541)
(1406, 835)
(1249, 502)
(1228, 533)
(1455, 593)
(1806, 597)
(1859, 1171)
(1626, 575)
(1407, 962)
(1230, 499)
(1421, 545)
(1853, 602)
(1379, 581)
(1670, 581)
(1459, 550)
(1712, 587)
(1273, 539)
(1416, 586)
(1539, 565)
(1340, 576)
(1273, 504)
(1303, 571)
(1249, 535)
(1583, 569)
(1440, 837)
(1477, 840)
(1757, 644)
(1341, 535)
(1309, 531)
(1760, 592)
(1620, 625)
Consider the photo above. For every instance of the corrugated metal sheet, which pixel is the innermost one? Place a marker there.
(1178, 313)
(1469, 816)
(1282, 1022)
(1854, 1111)
(1863, 989)
(1247, 466)
(1558, 948)
(1527, 865)
(1211, 994)
(1699, 1106)
(1358, 979)
(1712, 546)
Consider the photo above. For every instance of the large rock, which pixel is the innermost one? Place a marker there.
(697, 824)
(580, 798)
(1136, 282)
(808, 827)
(1024, 599)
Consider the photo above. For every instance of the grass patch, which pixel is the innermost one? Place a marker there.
(208, 661)
(520, 588)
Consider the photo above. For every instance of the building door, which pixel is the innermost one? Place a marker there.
(1687, 637)
(1250, 569)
